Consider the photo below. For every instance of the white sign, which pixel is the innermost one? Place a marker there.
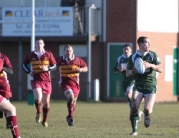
(168, 72)
(49, 21)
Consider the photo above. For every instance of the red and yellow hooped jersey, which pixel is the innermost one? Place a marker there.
(36, 63)
(67, 70)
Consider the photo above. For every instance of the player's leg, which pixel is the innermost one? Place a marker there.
(136, 100)
(38, 102)
(46, 108)
(1, 114)
(46, 93)
(6, 115)
(10, 111)
(74, 102)
(71, 110)
(128, 94)
(8, 95)
(148, 108)
(71, 101)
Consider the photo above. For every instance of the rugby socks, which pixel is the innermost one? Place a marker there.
(1, 114)
(38, 106)
(134, 122)
(45, 114)
(146, 113)
(71, 108)
(12, 124)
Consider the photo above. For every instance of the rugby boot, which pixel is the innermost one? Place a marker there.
(38, 118)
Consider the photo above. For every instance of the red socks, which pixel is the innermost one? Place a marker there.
(38, 107)
(12, 124)
(45, 111)
(71, 108)
(45, 114)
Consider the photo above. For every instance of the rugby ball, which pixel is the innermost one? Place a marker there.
(139, 65)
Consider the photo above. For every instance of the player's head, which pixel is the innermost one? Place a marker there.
(68, 51)
(127, 50)
(144, 43)
(39, 44)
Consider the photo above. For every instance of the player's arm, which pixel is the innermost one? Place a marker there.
(52, 66)
(83, 67)
(26, 68)
(116, 70)
(25, 65)
(49, 68)
(157, 68)
(156, 65)
(118, 67)
(7, 66)
(8, 70)
(55, 73)
(130, 71)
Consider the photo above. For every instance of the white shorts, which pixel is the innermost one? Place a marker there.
(130, 88)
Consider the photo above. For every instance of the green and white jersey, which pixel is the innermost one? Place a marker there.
(122, 61)
(149, 77)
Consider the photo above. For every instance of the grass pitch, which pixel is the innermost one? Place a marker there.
(94, 120)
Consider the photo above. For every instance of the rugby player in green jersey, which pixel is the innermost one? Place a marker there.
(127, 82)
(145, 84)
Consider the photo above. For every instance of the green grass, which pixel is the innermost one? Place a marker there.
(95, 120)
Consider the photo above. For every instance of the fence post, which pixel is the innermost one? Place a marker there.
(96, 90)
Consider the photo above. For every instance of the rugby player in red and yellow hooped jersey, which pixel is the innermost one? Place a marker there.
(69, 68)
(41, 63)
(5, 93)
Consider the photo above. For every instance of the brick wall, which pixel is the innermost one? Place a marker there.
(121, 21)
